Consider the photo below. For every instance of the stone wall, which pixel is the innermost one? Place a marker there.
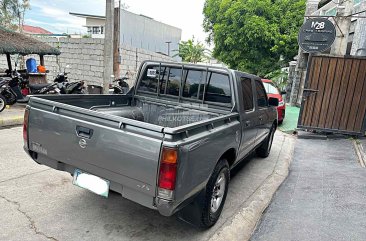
(85, 59)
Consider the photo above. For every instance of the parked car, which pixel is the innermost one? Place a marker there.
(274, 92)
(168, 144)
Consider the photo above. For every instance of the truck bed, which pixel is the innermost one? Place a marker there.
(162, 113)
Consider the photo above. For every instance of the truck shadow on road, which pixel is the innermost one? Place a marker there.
(118, 218)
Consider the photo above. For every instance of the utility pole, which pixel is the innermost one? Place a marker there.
(116, 37)
(345, 8)
(168, 42)
(108, 45)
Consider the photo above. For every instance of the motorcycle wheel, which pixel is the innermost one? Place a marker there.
(2, 103)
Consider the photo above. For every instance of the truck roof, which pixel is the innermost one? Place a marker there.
(211, 67)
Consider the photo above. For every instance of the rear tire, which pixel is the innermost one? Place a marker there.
(2, 103)
(207, 207)
(265, 148)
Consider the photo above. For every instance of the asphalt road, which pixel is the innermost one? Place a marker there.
(38, 203)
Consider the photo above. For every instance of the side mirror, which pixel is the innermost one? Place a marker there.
(273, 102)
(283, 92)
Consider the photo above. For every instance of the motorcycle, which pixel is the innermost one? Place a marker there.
(121, 88)
(7, 95)
(74, 88)
(60, 85)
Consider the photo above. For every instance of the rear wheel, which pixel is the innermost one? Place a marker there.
(207, 207)
(265, 148)
(2, 103)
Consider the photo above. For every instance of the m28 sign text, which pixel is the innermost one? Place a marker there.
(316, 35)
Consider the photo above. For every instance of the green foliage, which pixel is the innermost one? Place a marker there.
(256, 36)
(192, 52)
(279, 78)
(12, 13)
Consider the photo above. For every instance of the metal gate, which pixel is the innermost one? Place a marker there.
(335, 95)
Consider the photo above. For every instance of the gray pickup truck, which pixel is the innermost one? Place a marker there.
(168, 144)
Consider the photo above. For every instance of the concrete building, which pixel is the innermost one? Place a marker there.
(357, 35)
(138, 31)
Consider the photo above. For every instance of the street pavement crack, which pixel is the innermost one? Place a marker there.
(26, 175)
(32, 223)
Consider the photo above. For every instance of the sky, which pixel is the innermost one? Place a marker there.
(54, 15)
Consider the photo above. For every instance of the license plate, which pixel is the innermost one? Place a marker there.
(92, 183)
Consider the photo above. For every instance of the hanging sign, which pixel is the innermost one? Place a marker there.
(316, 35)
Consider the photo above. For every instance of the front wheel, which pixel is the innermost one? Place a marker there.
(2, 103)
(265, 148)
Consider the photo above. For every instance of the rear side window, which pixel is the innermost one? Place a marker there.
(218, 89)
(193, 87)
(261, 94)
(247, 91)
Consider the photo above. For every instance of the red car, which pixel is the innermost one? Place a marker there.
(273, 92)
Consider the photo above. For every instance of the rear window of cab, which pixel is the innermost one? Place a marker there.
(186, 83)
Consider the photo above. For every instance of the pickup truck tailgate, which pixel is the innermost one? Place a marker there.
(120, 155)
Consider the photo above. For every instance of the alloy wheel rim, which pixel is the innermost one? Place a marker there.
(218, 192)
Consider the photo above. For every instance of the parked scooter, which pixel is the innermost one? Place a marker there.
(74, 88)
(121, 88)
(7, 94)
(60, 85)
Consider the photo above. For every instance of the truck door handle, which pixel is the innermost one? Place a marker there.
(84, 132)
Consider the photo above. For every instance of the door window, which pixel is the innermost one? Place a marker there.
(247, 91)
(262, 100)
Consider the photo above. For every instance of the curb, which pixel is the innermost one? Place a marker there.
(360, 153)
(13, 121)
(244, 223)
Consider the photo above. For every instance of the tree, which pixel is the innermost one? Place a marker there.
(257, 36)
(12, 13)
(279, 78)
(192, 52)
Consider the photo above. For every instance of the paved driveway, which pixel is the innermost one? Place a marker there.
(323, 198)
(37, 203)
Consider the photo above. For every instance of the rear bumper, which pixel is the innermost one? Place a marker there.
(165, 207)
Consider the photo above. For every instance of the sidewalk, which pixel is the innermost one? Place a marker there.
(12, 116)
(323, 197)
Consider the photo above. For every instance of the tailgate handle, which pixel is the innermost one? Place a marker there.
(84, 132)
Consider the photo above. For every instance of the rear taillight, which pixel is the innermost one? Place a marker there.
(25, 127)
(167, 173)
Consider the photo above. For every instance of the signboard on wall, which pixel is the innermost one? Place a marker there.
(316, 35)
